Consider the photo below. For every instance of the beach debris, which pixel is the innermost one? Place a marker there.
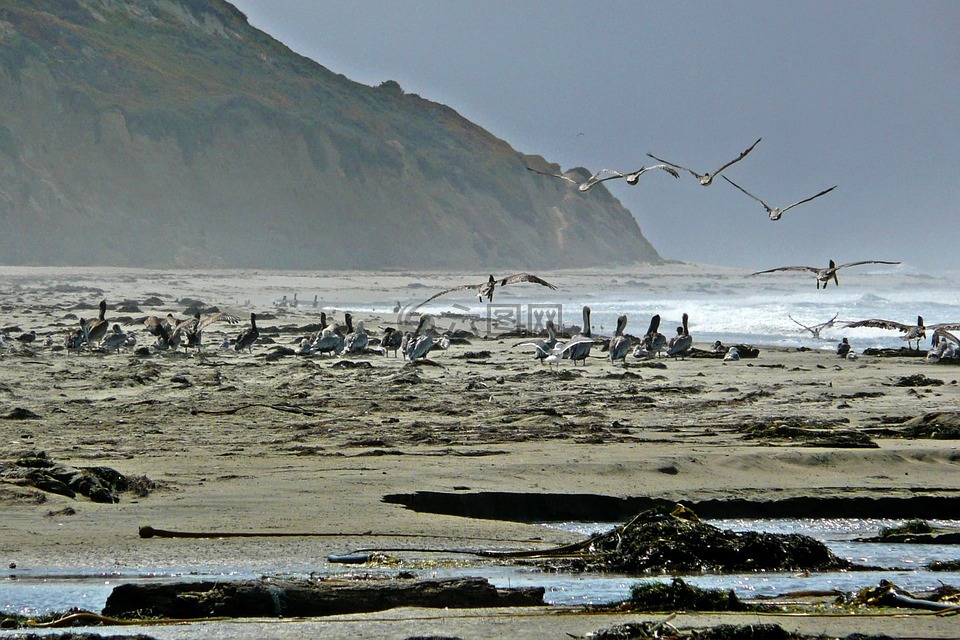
(99, 484)
(746, 351)
(944, 565)
(887, 594)
(915, 532)
(917, 380)
(19, 413)
(939, 425)
(677, 595)
(271, 598)
(804, 433)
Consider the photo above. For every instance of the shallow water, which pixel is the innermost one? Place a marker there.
(41, 592)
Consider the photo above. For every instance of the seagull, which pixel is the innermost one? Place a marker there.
(817, 328)
(707, 178)
(824, 275)
(248, 336)
(682, 342)
(619, 344)
(486, 289)
(732, 355)
(910, 332)
(776, 212)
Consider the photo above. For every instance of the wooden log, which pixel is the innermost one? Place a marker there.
(306, 598)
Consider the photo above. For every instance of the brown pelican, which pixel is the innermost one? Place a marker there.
(680, 344)
(910, 332)
(707, 178)
(619, 344)
(578, 348)
(776, 212)
(355, 341)
(653, 341)
(76, 338)
(843, 348)
(817, 328)
(544, 345)
(391, 341)
(156, 327)
(945, 345)
(193, 327)
(248, 336)
(824, 275)
(115, 339)
(486, 289)
(422, 339)
(587, 184)
(96, 329)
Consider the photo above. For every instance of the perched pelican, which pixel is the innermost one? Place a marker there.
(248, 336)
(776, 212)
(578, 348)
(945, 345)
(391, 341)
(707, 178)
(422, 339)
(910, 332)
(732, 355)
(843, 348)
(193, 327)
(76, 338)
(544, 345)
(486, 289)
(355, 341)
(817, 328)
(115, 339)
(620, 344)
(653, 341)
(681, 344)
(824, 275)
(96, 329)
(330, 340)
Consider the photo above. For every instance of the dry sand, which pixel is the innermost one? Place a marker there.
(500, 424)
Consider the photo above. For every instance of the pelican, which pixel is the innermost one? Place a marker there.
(96, 329)
(486, 289)
(910, 332)
(28, 337)
(193, 327)
(824, 275)
(680, 345)
(653, 341)
(776, 212)
(817, 328)
(619, 344)
(422, 339)
(587, 184)
(843, 348)
(76, 338)
(391, 341)
(156, 327)
(330, 340)
(115, 339)
(544, 345)
(248, 336)
(355, 341)
(945, 345)
(707, 178)
(578, 348)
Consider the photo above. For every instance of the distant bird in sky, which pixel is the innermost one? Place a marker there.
(824, 275)
(817, 328)
(776, 212)
(707, 178)
(909, 332)
(486, 289)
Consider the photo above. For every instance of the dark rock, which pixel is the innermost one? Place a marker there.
(351, 364)
(677, 595)
(939, 425)
(20, 413)
(917, 380)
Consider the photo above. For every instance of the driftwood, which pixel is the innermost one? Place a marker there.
(296, 598)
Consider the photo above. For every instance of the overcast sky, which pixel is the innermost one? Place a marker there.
(863, 95)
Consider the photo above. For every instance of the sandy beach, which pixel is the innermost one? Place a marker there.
(254, 442)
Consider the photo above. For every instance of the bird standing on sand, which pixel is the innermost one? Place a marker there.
(248, 336)
(486, 289)
(391, 341)
(909, 332)
(76, 338)
(825, 274)
(653, 341)
(843, 348)
(707, 178)
(355, 341)
(619, 344)
(422, 339)
(732, 355)
(193, 327)
(96, 329)
(682, 343)
(115, 339)
(544, 345)
(775, 212)
(578, 347)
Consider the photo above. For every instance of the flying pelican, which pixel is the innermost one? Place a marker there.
(776, 212)
(248, 336)
(578, 348)
(96, 329)
(707, 178)
(824, 275)
(544, 345)
(619, 344)
(817, 328)
(680, 345)
(653, 341)
(486, 289)
(910, 332)
(587, 184)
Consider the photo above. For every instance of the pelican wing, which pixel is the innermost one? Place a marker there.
(463, 287)
(944, 326)
(877, 323)
(809, 199)
(216, 317)
(828, 323)
(739, 157)
(595, 179)
(765, 205)
(796, 268)
(677, 166)
(558, 350)
(553, 175)
(800, 323)
(524, 277)
(853, 264)
(942, 333)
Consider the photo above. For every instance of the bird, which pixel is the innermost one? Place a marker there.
(584, 185)
(634, 177)
(96, 329)
(653, 341)
(76, 338)
(193, 327)
(945, 345)
(707, 178)
(28, 337)
(544, 345)
(578, 347)
(817, 328)
(843, 348)
(391, 341)
(248, 336)
(619, 344)
(909, 332)
(486, 289)
(156, 327)
(115, 339)
(329, 340)
(732, 355)
(775, 213)
(355, 341)
(680, 344)
(825, 274)
(421, 341)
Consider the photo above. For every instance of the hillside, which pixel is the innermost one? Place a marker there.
(171, 132)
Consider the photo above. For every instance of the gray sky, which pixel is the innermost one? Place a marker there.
(860, 94)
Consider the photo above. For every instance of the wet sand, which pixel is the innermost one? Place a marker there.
(470, 425)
